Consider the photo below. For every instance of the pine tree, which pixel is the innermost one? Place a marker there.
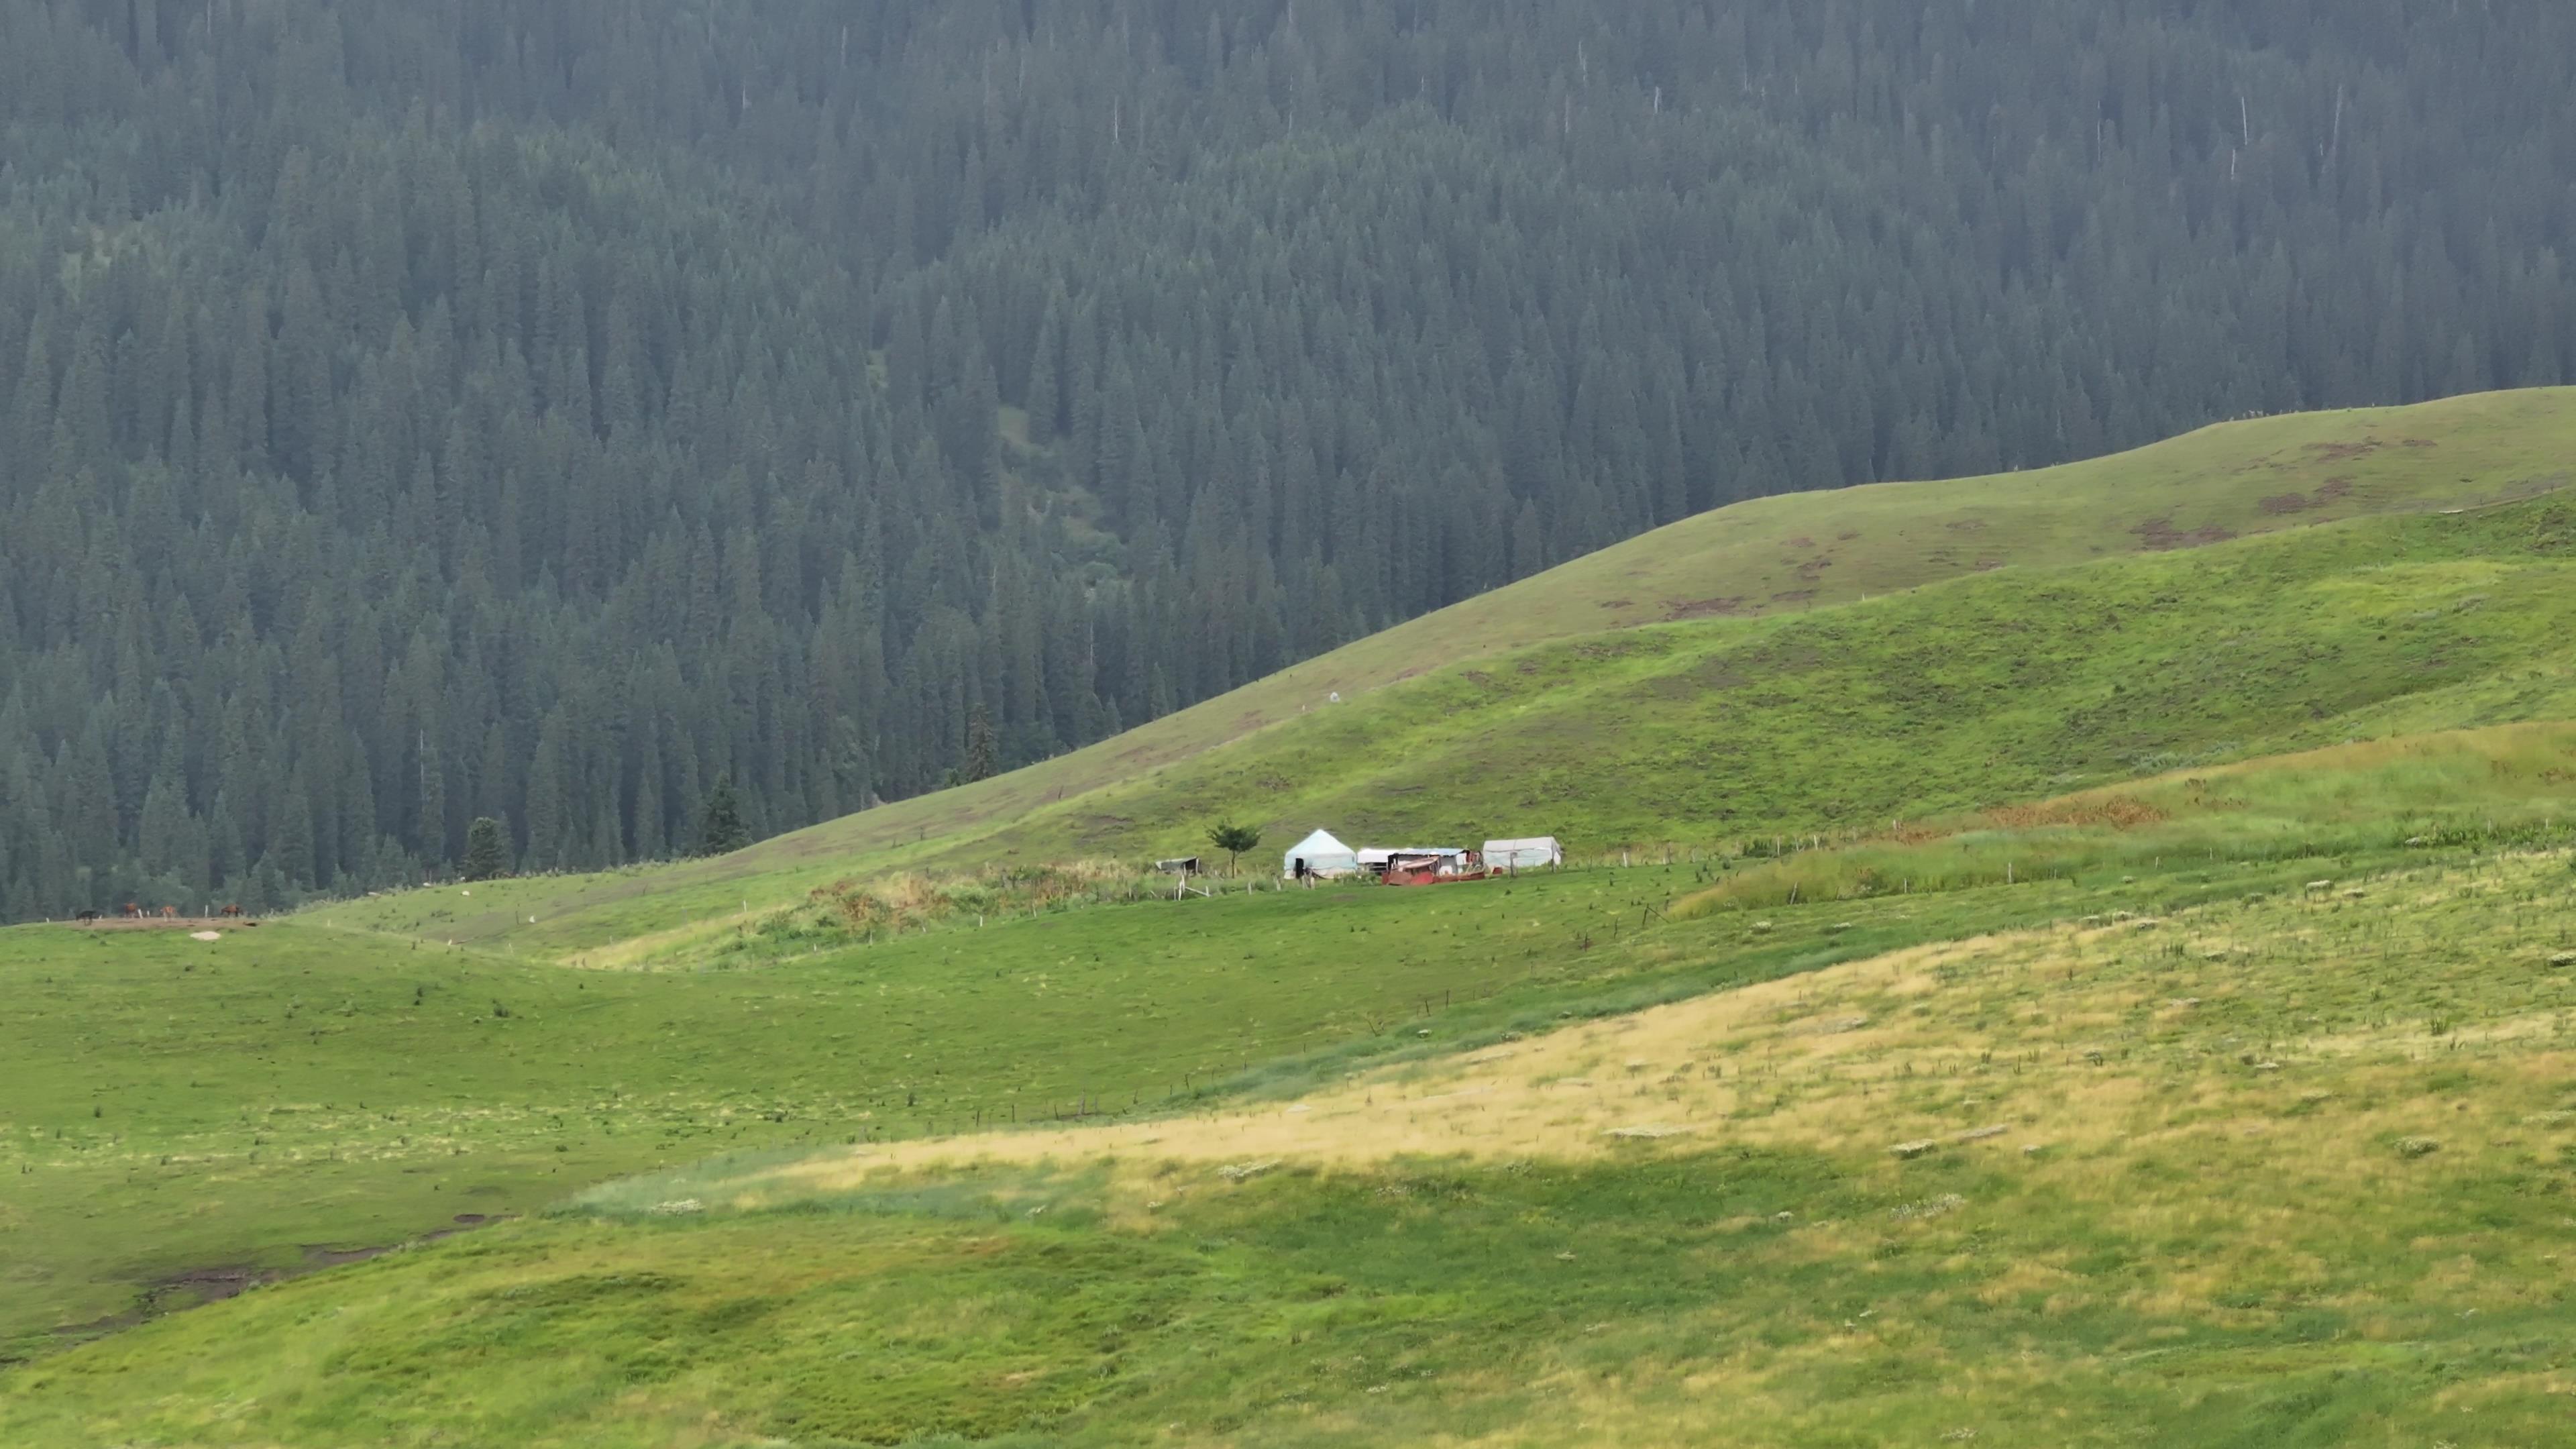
(487, 853)
(720, 827)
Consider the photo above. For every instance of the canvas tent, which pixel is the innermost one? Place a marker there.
(1539, 852)
(1322, 854)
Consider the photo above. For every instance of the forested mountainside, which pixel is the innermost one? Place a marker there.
(417, 411)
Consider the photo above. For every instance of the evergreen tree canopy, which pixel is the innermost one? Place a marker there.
(486, 856)
(720, 827)
(412, 414)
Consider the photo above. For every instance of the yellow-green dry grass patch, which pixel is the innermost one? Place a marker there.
(2290, 1171)
(2070, 1041)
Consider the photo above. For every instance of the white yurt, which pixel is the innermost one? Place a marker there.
(1323, 855)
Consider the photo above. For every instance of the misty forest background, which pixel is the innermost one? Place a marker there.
(418, 410)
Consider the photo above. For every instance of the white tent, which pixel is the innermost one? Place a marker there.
(1536, 853)
(1322, 854)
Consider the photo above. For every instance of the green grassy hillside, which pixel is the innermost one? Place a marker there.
(1790, 553)
(2008, 685)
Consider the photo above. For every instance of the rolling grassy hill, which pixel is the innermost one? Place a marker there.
(2007, 684)
(2193, 917)
(1777, 556)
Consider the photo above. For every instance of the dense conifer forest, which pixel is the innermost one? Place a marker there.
(554, 411)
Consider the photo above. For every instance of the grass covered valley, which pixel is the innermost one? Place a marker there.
(2071, 982)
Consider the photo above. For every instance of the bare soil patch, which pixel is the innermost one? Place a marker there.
(1704, 608)
(164, 923)
(2327, 492)
(2159, 535)
(2120, 812)
(195, 1287)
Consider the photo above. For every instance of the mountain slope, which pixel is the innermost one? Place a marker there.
(1631, 735)
(417, 414)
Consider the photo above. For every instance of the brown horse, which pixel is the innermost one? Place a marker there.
(230, 912)
(169, 913)
(133, 910)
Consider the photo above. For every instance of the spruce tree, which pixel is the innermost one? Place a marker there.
(486, 855)
(720, 827)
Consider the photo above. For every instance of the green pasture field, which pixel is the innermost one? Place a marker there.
(186, 1112)
(2280, 1168)
(181, 1114)
(1398, 758)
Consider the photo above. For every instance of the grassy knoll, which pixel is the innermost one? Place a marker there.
(1138, 792)
(2264, 1171)
(2005, 686)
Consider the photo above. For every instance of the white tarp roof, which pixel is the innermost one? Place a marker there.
(1535, 850)
(1320, 851)
(1381, 854)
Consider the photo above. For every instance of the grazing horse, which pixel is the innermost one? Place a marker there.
(231, 912)
(169, 913)
(86, 916)
(133, 910)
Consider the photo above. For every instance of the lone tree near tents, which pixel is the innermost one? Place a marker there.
(1234, 840)
(486, 857)
(720, 827)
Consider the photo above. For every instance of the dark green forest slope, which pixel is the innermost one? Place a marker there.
(411, 412)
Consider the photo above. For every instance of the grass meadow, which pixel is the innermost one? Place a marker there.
(185, 1117)
(2276, 1168)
